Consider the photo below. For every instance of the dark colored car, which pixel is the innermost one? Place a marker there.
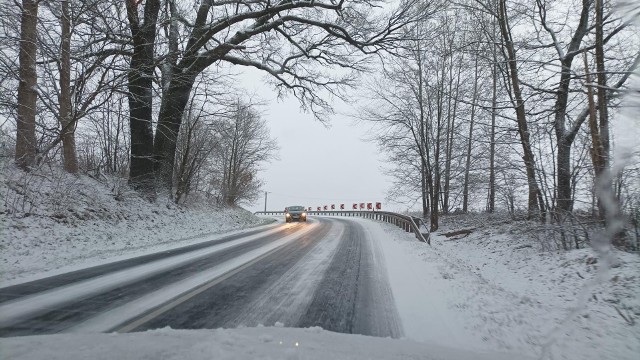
(297, 213)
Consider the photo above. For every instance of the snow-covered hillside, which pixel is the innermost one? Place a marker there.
(495, 288)
(51, 220)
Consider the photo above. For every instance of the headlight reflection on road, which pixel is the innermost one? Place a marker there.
(296, 344)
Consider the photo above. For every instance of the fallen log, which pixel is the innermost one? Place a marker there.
(459, 232)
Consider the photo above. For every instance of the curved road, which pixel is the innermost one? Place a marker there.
(325, 273)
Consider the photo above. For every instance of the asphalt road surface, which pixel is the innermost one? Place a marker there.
(325, 273)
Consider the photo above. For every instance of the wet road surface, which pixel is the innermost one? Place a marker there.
(323, 273)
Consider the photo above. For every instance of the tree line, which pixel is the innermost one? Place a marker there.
(145, 88)
(508, 104)
(480, 104)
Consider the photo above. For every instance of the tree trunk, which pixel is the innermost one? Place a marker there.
(535, 202)
(596, 151)
(465, 200)
(602, 84)
(563, 157)
(169, 121)
(70, 156)
(564, 195)
(492, 146)
(423, 189)
(27, 92)
(140, 77)
(423, 144)
(451, 119)
(565, 138)
(435, 193)
(605, 184)
(433, 215)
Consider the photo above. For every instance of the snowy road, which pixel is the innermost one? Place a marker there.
(326, 273)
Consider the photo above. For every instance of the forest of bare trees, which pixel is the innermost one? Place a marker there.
(497, 104)
(144, 89)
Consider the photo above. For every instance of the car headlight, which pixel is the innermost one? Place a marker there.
(288, 215)
(303, 214)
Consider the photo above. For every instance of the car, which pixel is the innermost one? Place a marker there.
(297, 213)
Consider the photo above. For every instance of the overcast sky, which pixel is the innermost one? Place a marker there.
(318, 165)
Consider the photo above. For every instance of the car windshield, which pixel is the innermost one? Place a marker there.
(463, 198)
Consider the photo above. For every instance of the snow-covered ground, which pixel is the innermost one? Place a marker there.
(486, 295)
(495, 289)
(275, 343)
(492, 291)
(52, 222)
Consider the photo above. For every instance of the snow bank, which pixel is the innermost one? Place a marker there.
(247, 343)
(495, 289)
(51, 220)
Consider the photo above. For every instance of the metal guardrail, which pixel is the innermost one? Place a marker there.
(405, 222)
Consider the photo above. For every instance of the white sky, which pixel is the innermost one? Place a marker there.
(318, 165)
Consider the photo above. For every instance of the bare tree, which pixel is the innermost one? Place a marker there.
(196, 144)
(200, 140)
(80, 71)
(284, 39)
(411, 118)
(27, 93)
(535, 202)
(245, 145)
(465, 201)
(65, 117)
(143, 24)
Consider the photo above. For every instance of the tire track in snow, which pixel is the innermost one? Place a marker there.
(354, 295)
(15, 291)
(287, 299)
(221, 304)
(60, 318)
(156, 302)
(15, 312)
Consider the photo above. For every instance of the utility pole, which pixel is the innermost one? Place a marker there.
(265, 200)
